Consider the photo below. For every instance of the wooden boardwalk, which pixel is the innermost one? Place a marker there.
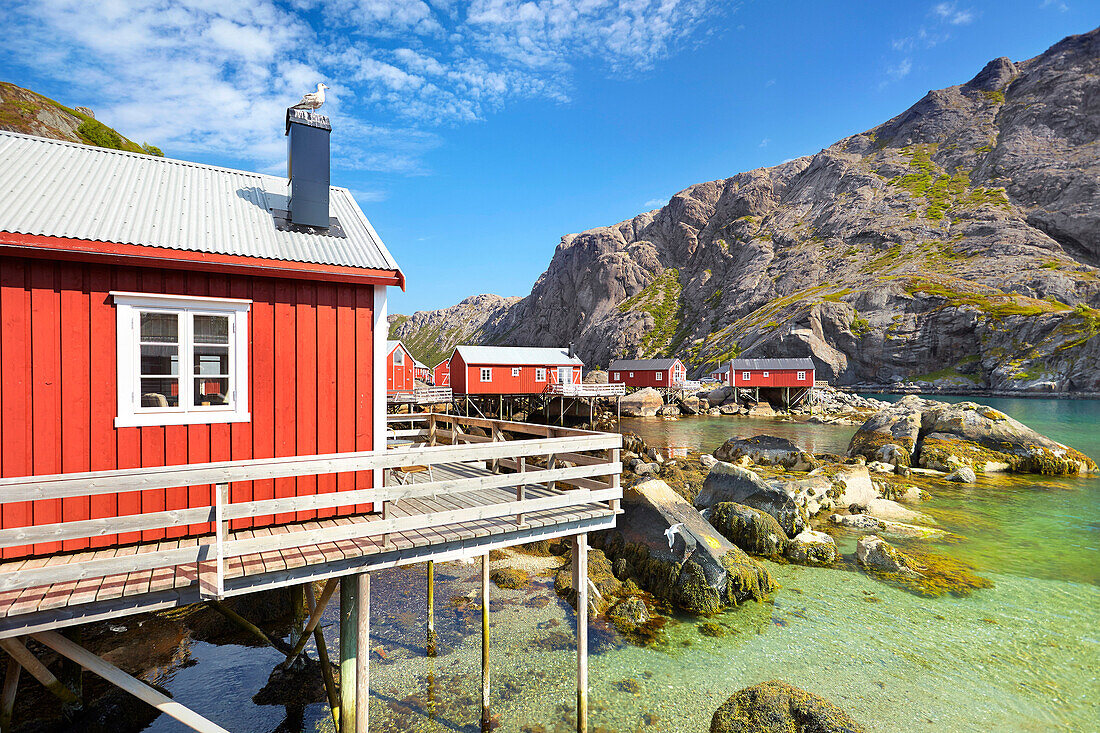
(83, 600)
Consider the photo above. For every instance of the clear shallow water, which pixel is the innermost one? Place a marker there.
(1021, 656)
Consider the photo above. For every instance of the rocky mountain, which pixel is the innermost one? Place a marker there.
(956, 243)
(22, 110)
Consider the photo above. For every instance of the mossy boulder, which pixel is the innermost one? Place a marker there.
(754, 531)
(766, 450)
(701, 572)
(945, 436)
(601, 575)
(510, 578)
(924, 573)
(778, 707)
(727, 482)
(812, 548)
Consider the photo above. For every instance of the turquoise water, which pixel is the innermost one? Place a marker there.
(1023, 655)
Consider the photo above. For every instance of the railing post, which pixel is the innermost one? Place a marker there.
(521, 491)
(551, 463)
(221, 497)
(615, 456)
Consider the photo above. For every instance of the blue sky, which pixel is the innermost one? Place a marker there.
(475, 134)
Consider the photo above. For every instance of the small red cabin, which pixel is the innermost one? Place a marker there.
(400, 367)
(442, 374)
(647, 372)
(159, 312)
(511, 369)
(771, 372)
(422, 371)
(722, 374)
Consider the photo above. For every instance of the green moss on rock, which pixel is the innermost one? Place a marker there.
(778, 707)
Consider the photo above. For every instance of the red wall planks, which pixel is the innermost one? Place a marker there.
(310, 372)
(774, 378)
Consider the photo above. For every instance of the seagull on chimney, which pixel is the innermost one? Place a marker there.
(312, 100)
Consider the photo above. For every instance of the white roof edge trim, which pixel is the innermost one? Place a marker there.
(382, 248)
(129, 298)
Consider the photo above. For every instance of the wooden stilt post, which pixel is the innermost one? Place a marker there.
(314, 618)
(326, 665)
(17, 651)
(7, 698)
(362, 671)
(430, 647)
(580, 583)
(521, 492)
(485, 643)
(349, 631)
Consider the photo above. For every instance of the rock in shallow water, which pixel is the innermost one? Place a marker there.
(766, 450)
(962, 475)
(875, 553)
(777, 707)
(754, 531)
(812, 548)
(729, 483)
(702, 572)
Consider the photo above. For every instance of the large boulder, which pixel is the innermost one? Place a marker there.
(898, 424)
(777, 707)
(727, 482)
(689, 405)
(766, 450)
(642, 403)
(701, 572)
(945, 436)
(719, 396)
(754, 531)
(815, 494)
(851, 484)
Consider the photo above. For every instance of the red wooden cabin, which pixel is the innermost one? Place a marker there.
(160, 312)
(400, 368)
(771, 372)
(422, 371)
(647, 372)
(441, 374)
(479, 370)
(722, 374)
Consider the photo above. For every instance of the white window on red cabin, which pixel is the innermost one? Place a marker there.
(746, 376)
(764, 374)
(802, 376)
(632, 375)
(181, 360)
(540, 374)
(616, 376)
(515, 371)
(486, 374)
(398, 356)
(660, 376)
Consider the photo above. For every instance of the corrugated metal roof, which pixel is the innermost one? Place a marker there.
(751, 364)
(530, 355)
(54, 188)
(419, 364)
(642, 364)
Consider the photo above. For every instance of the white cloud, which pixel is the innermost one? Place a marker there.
(900, 69)
(214, 76)
(654, 204)
(1056, 4)
(764, 142)
(950, 13)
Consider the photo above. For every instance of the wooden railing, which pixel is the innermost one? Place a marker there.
(421, 395)
(512, 451)
(586, 390)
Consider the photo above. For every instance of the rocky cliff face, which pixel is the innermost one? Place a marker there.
(22, 110)
(956, 243)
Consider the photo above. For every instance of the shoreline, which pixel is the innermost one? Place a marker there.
(931, 391)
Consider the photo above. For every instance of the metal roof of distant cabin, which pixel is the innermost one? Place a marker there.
(642, 364)
(54, 188)
(750, 364)
(523, 355)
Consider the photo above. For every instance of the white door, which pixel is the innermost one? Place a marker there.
(565, 375)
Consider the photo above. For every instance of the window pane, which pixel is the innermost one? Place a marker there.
(158, 392)
(211, 329)
(159, 359)
(211, 391)
(160, 327)
(212, 360)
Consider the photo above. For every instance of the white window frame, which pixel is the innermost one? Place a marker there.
(486, 374)
(398, 357)
(515, 371)
(765, 375)
(746, 376)
(616, 376)
(660, 376)
(632, 375)
(540, 374)
(802, 376)
(130, 413)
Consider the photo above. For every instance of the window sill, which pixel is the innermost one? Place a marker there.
(154, 419)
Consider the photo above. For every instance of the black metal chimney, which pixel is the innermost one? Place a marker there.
(571, 352)
(307, 168)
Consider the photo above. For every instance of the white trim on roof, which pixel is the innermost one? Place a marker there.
(528, 355)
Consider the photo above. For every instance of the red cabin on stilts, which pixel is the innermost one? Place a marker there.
(506, 370)
(771, 373)
(159, 312)
(442, 373)
(647, 372)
